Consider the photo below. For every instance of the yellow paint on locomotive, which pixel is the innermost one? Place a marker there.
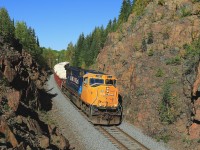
(99, 90)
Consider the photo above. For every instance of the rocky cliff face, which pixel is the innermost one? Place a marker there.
(21, 91)
(155, 79)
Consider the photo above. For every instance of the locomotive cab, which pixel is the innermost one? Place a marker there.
(100, 90)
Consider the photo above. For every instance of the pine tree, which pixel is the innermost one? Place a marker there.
(124, 12)
(114, 25)
(27, 38)
(78, 51)
(70, 52)
(6, 26)
(88, 54)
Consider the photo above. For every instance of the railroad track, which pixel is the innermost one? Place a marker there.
(120, 139)
(117, 136)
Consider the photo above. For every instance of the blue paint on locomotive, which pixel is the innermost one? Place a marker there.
(75, 79)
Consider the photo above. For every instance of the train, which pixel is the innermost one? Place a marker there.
(95, 93)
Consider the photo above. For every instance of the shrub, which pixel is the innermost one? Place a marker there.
(150, 52)
(174, 61)
(150, 38)
(164, 137)
(168, 105)
(192, 56)
(139, 6)
(159, 73)
(185, 11)
(165, 36)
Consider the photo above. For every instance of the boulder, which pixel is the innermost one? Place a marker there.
(13, 98)
(9, 136)
(60, 141)
(44, 141)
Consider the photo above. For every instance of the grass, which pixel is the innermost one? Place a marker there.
(159, 73)
(174, 61)
(163, 137)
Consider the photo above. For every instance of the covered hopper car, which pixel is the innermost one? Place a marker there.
(94, 92)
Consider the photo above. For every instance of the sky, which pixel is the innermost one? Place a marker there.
(59, 22)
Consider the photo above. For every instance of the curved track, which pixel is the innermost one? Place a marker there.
(117, 136)
(121, 139)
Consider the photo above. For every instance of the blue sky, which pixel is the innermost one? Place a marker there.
(57, 23)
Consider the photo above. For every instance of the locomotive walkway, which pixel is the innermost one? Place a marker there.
(85, 136)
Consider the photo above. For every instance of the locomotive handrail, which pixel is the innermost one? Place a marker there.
(96, 97)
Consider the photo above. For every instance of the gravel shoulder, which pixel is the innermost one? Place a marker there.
(81, 134)
(142, 138)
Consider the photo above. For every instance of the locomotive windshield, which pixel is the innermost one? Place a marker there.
(110, 81)
(94, 81)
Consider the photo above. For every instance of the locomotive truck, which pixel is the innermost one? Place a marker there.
(94, 92)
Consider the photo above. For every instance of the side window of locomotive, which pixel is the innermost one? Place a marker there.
(111, 82)
(85, 81)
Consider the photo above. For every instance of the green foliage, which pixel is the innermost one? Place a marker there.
(174, 61)
(87, 48)
(51, 56)
(69, 52)
(185, 11)
(3, 80)
(139, 92)
(150, 38)
(195, 1)
(192, 50)
(163, 137)
(168, 105)
(139, 6)
(159, 73)
(6, 26)
(134, 21)
(4, 107)
(192, 56)
(150, 52)
(30, 42)
(187, 140)
(165, 36)
(198, 141)
(27, 38)
(125, 11)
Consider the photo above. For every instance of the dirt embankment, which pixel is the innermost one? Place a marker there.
(22, 96)
(157, 82)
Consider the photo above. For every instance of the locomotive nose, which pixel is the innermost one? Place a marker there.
(108, 96)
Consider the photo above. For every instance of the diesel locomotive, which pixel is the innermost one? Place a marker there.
(94, 92)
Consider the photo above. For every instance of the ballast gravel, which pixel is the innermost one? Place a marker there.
(84, 132)
(81, 134)
(140, 137)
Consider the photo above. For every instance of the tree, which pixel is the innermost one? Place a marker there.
(125, 11)
(77, 60)
(138, 6)
(6, 26)
(114, 25)
(27, 38)
(70, 52)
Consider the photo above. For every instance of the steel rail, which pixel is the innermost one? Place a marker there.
(107, 132)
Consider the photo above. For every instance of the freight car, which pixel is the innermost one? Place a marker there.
(93, 92)
(60, 73)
